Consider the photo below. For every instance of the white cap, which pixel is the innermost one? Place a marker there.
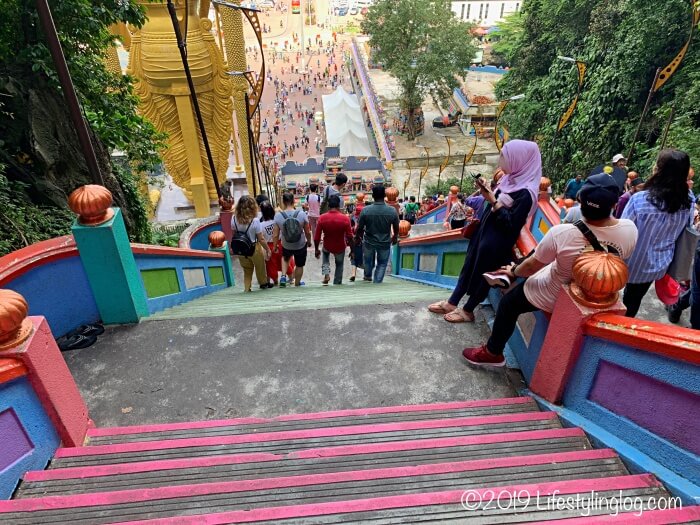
(618, 158)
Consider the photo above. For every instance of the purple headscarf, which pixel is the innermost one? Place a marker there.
(523, 168)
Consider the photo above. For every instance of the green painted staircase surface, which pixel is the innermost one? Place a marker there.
(312, 296)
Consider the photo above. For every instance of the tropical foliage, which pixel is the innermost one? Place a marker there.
(39, 149)
(423, 45)
(623, 42)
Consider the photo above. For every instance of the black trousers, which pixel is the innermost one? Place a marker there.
(512, 305)
(633, 295)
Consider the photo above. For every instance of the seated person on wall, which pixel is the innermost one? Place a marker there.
(550, 267)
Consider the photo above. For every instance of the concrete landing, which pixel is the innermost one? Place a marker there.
(291, 361)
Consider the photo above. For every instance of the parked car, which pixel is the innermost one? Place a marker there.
(353, 11)
(364, 11)
(447, 121)
(342, 11)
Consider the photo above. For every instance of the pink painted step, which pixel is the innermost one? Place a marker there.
(227, 487)
(355, 430)
(650, 517)
(453, 497)
(315, 416)
(326, 452)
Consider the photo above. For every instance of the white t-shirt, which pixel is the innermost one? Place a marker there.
(268, 227)
(560, 248)
(253, 231)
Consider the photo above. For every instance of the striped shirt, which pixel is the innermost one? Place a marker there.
(658, 232)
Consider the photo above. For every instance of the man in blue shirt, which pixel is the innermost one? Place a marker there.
(573, 187)
(376, 224)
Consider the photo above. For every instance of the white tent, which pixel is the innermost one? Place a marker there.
(344, 124)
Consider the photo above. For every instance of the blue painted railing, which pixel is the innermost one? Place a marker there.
(29, 438)
(436, 215)
(181, 261)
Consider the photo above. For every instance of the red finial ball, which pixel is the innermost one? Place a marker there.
(14, 325)
(92, 203)
(217, 239)
(597, 279)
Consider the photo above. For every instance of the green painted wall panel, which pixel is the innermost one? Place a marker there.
(216, 275)
(160, 282)
(408, 261)
(452, 263)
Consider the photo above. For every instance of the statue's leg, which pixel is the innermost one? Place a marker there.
(191, 140)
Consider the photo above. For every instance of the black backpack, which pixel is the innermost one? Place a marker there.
(240, 242)
(291, 229)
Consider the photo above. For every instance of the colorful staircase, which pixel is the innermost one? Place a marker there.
(409, 464)
(312, 296)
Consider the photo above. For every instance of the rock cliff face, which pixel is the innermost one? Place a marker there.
(49, 160)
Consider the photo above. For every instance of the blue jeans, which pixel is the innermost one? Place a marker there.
(382, 260)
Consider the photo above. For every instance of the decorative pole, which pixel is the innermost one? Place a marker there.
(467, 158)
(496, 132)
(445, 162)
(424, 171)
(66, 82)
(566, 116)
(652, 90)
(234, 42)
(408, 180)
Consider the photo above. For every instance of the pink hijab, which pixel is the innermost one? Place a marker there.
(523, 167)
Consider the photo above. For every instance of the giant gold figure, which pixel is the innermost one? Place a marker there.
(154, 62)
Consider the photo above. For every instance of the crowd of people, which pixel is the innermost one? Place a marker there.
(273, 243)
(636, 220)
(290, 121)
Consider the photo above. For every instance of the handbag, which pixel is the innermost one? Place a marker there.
(681, 267)
(470, 229)
(667, 290)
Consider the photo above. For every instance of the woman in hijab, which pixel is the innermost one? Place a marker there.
(504, 215)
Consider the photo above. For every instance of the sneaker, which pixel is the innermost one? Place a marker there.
(368, 279)
(283, 281)
(480, 356)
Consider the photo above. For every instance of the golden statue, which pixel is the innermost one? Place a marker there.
(160, 83)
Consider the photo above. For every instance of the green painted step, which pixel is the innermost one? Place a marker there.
(313, 296)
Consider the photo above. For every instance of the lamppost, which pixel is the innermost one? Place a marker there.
(424, 171)
(566, 116)
(501, 108)
(445, 162)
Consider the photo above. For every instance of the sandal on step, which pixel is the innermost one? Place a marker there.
(76, 342)
(459, 316)
(441, 307)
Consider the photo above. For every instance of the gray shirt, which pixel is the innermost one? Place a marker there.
(301, 217)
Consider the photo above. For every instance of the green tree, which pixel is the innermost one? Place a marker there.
(423, 45)
(39, 147)
(507, 38)
(468, 186)
(623, 42)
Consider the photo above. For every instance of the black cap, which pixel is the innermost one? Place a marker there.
(599, 192)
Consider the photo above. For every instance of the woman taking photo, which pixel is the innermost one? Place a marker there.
(246, 222)
(502, 218)
(661, 212)
(457, 217)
